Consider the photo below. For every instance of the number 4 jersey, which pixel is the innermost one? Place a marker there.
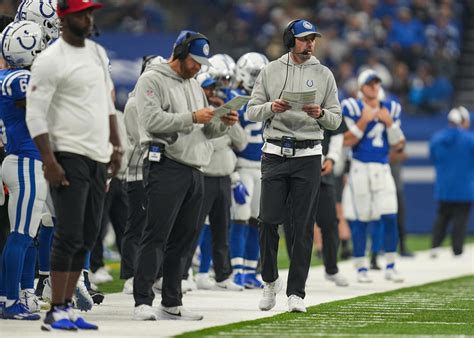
(15, 134)
(373, 146)
(253, 151)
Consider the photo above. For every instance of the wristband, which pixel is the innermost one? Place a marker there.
(354, 129)
(321, 115)
(194, 117)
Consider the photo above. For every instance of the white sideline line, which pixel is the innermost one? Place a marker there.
(220, 307)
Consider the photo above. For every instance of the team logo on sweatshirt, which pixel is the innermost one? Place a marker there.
(310, 83)
(150, 93)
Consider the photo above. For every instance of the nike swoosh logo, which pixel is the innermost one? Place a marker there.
(173, 314)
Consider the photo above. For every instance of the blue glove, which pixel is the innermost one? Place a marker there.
(240, 193)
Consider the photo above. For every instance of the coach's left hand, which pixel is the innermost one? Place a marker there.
(327, 167)
(115, 162)
(313, 110)
(231, 118)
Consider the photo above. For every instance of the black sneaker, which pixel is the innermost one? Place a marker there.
(97, 297)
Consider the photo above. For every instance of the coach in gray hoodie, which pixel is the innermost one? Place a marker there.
(291, 160)
(175, 125)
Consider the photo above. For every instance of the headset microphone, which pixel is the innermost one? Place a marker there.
(96, 30)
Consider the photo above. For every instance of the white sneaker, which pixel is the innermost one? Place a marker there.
(47, 291)
(158, 285)
(434, 253)
(29, 299)
(203, 282)
(82, 298)
(338, 279)
(144, 312)
(270, 290)
(229, 285)
(363, 277)
(178, 313)
(188, 285)
(393, 275)
(101, 276)
(128, 286)
(296, 304)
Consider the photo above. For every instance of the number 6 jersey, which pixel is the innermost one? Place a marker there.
(373, 146)
(15, 134)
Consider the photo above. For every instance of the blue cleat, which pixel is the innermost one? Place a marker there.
(251, 281)
(58, 319)
(19, 311)
(239, 279)
(78, 321)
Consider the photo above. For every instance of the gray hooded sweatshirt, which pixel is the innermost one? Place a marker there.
(165, 102)
(307, 76)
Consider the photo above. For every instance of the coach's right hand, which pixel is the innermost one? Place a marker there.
(54, 174)
(204, 115)
(280, 106)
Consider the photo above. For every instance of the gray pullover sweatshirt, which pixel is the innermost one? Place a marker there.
(223, 158)
(307, 76)
(165, 102)
(135, 153)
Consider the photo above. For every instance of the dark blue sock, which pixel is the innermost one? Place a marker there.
(376, 236)
(359, 237)
(238, 236)
(45, 239)
(28, 274)
(205, 247)
(252, 250)
(390, 232)
(13, 260)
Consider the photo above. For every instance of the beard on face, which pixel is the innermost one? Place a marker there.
(80, 32)
(186, 73)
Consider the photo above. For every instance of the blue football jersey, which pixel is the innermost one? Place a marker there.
(373, 146)
(253, 151)
(15, 134)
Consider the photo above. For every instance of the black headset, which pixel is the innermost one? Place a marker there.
(181, 50)
(288, 34)
(63, 5)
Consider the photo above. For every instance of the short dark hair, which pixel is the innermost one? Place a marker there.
(5, 20)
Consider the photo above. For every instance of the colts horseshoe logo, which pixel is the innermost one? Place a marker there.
(49, 13)
(310, 83)
(23, 45)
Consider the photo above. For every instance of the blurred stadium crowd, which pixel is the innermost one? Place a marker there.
(413, 44)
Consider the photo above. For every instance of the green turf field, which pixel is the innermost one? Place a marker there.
(442, 308)
(414, 243)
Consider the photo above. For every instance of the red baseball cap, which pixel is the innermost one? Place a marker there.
(73, 6)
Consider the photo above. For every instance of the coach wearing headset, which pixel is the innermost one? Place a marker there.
(175, 121)
(291, 159)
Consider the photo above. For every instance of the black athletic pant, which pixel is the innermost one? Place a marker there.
(216, 204)
(174, 194)
(281, 177)
(326, 218)
(78, 210)
(115, 211)
(458, 214)
(134, 227)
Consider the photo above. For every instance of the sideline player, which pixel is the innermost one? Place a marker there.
(370, 195)
(246, 193)
(22, 171)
